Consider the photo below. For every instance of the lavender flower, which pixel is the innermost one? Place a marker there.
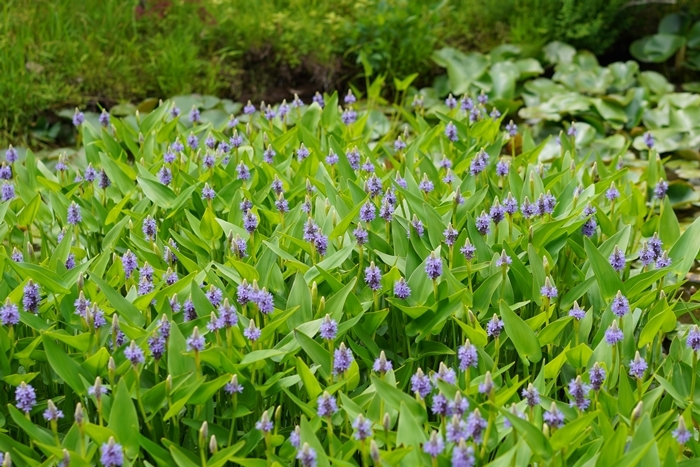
(572, 130)
(111, 454)
(681, 433)
(612, 193)
(576, 312)
(456, 430)
(353, 157)
(165, 175)
(483, 223)
(361, 235)
(418, 225)
(546, 203)
(494, 327)
(451, 102)
(435, 445)
(553, 417)
(318, 99)
(129, 263)
(420, 384)
(362, 427)
(648, 139)
(252, 332)
(25, 397)
(399, 144)
(504, 260)
(446, 374)
(463, 455)
(401, 289)
(302, 152)
(134, 354)
(468, 356)
(249, 108)
(11, 155)
(613, 334)
(329, 328)
(597, 376)
(664, 261)
(349, 116)
(617, 259)
(433, 266)
(31, 297)
(103, 180)
(638, 366)
(487, 386)
(9, 314)
(468, 250)
(242, 171)
(527, 209)
(476, 424)
(548, 290)
(233, 387)
(531, 395)
(426, 186)
(497, 213)
(381, 364)
(620, 305)
(439, 406)
(17, 256)
(250, 221)
(208, 192)
(307, 456)
(660, 189)
(646, 255)
(8, 191)
(512, 128)
(195, 341)
(74, 217)
(467, 103)
(156, 345)
(78, 118)
(502, 168)
(692, 341)
(194, 115)
(589, 228)
(342, 358)
(479, 163)
(373, 277)
(451, 132)
(458, 406)
(367, 212)
(327, 405)
(579, 394)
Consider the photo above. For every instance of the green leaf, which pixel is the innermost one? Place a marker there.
(313, 349)
(533, 436)
(311, 385)
(608, 280)
(563, 436)
(123, 419)
(209, 227)
(124, 307)
(160, 194)
(64, 366)
(116, 174)
(520, 334)
(27, 215)
(684, 251)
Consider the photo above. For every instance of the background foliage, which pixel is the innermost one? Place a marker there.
(55, 55)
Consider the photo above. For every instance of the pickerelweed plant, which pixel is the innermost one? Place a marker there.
(293, 287)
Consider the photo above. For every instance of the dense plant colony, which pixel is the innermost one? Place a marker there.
(319, 284)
